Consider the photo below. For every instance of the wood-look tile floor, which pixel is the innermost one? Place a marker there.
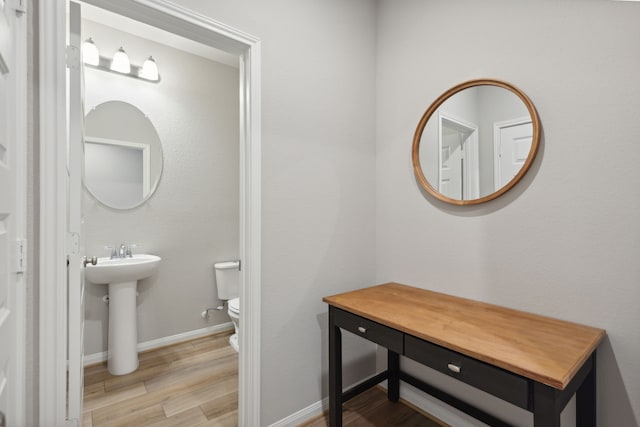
(372, 409)
(194, 383)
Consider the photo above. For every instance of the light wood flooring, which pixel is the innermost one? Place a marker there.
(372, 409)
(194, 383)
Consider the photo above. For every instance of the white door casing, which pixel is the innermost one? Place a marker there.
(458, 157)
(53, 314)
(511, 146)
(75, 235)
(52, 332)
(12, 211)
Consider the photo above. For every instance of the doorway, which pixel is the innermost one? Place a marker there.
(458, 160)
(175, 19)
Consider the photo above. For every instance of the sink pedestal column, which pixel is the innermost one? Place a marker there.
(123, 328)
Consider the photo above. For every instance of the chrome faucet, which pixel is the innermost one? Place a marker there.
(114, 252)
(122, 251)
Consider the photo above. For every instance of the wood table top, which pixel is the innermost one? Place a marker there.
(540, 348)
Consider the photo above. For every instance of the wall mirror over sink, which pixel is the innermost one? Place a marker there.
(123, 155)
(475, 142)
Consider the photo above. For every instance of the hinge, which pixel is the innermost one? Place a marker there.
(20, 6)
(73, 57)
(73, 422)
(20, 256)
(73, 243)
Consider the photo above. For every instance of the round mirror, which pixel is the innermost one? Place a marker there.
(475, 142)
(122, 155)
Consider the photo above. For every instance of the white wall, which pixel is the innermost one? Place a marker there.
(192, 219)
(565, 241)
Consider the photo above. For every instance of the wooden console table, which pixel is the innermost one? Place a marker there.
(536, 363)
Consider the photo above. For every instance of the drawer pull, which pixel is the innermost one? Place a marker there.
(454, 368)
(362, 329)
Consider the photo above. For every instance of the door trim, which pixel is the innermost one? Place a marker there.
(472, 156)
(53, 197)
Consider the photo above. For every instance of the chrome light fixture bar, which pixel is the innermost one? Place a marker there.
(119, 64)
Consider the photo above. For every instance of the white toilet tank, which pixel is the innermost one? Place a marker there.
(228, 279)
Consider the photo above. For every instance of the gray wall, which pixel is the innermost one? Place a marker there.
(318, 181)
(565, 241)
(192, 219)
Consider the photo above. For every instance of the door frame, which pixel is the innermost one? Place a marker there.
(138, 146)
(53, 194)
(472, 157)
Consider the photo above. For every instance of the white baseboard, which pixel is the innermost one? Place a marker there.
(422, 401)
(432, 406)
(407, 392)
(165, 341)
(312, 411)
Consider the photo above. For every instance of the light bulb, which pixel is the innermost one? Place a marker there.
(149, 70)
(90, 53)
(120, 62)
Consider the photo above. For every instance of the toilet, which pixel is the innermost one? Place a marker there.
(228, 286)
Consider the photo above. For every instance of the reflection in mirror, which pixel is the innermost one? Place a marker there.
(123, 155)
(475, 142)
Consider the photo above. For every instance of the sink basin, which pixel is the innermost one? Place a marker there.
(122, 275)
(118, 270)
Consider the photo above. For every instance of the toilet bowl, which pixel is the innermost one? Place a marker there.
(234, 314)
(228, 287)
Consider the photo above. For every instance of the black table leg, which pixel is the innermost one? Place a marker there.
(546, 412)
(335, 372)
(393, 382)
(586, 398)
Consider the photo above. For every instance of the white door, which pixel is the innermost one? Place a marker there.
(75, 272)
(512, 145)
(11, 260)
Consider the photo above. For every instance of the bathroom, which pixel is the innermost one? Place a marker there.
(190, 216)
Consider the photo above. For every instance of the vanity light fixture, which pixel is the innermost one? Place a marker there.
(119, 64)
(149, 70)
(90, 53)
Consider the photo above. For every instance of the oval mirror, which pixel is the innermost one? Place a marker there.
(475, 142)
(122, 155)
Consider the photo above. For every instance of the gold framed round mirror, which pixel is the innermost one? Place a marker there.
(475, 142)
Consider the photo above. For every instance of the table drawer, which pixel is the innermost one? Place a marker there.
(496, 381)
(372, 331)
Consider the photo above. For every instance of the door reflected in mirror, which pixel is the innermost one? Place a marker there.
(123, 155)
(475, 142)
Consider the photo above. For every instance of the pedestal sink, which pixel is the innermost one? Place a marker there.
(122, 275)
